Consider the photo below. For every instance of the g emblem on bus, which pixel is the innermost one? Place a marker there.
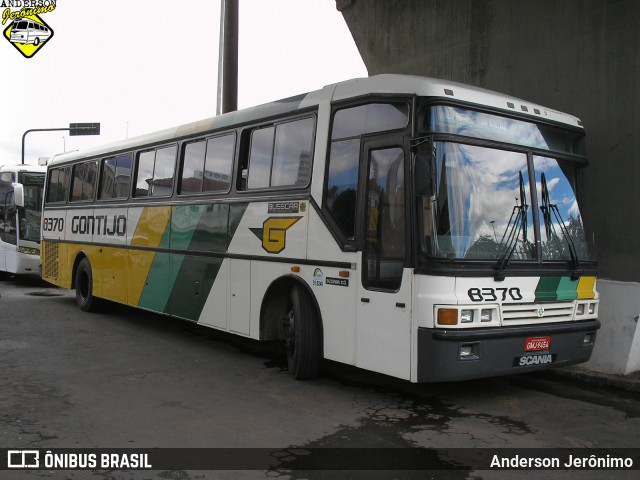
(274, 233)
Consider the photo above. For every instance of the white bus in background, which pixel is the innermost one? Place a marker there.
(20, 217)
(28, 31)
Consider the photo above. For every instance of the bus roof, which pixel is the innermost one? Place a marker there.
(20, 167)
(384, 84)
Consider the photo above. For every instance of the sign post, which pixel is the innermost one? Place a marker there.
(74, 129)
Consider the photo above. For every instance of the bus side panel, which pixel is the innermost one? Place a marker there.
(148, 270)
(114, 274)
(336, 294)
(200, 230)
(56, 265)
(110, 228)
(215, 308)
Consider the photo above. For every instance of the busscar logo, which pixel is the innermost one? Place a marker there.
(26, 30)
(274, 233)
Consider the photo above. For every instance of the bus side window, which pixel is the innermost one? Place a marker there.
(156, 172)
(218, 164)
(349, 124)
(207, 164)
(280, 155)
(115, 177)
(193, 167)
(84, 181)
(58, 184)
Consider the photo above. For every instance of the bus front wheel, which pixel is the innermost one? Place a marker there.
(84, 287)
(303, 335)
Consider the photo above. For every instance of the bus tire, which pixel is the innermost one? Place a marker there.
(36, 42)
(84, 287)
(303, 337)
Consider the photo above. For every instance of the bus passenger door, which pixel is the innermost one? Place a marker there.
(383, 338)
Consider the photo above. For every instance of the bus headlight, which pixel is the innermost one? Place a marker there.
(466, 316)
(586, 309)
(29, 251)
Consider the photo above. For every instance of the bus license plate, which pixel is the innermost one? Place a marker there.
(537, 344)
(529, 360)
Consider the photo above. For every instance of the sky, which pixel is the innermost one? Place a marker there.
(137, 66)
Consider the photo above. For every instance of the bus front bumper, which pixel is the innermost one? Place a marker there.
(450, 355)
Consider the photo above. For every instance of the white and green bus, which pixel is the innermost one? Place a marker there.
(21, 188)
(414, 227)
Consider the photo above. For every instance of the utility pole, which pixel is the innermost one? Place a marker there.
(228, 58)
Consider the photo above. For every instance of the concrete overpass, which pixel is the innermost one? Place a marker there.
(578, 56)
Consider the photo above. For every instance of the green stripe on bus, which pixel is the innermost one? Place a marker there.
(179, 284)
(206, 228)
(156, 288)
(216, 226)
(567, 289)
(552, 289)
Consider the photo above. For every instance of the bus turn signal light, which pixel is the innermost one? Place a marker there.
(447, 316)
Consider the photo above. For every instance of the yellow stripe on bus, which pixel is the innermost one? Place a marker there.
(586, 287)
(149, 232)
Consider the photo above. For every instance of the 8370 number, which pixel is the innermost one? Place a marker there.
(494, 294)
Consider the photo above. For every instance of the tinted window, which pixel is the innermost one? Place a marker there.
(349, 124)
(116, 176)
(155, 174)
(193, 167)
(385, 220)
(58, 183)
(84, 181)
(146, 161)
(207, 165)
(164, 171)
(293, 153)
(342, 183)
(260, 158)
(217, 172)
(371, 118)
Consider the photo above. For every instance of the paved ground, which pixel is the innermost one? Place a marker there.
(131, 379)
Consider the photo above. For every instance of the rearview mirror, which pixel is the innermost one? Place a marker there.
(18, 194)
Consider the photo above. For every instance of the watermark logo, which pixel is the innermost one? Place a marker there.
(26, 30)
(23, 459)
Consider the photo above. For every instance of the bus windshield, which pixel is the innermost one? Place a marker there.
(30, 215)
(483, 206)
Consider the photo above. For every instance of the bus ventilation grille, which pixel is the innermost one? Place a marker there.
(527, 313)
(50, 269)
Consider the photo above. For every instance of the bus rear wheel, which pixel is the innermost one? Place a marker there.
(84, 287)
(303, 335)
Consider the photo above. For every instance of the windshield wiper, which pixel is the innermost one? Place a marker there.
(517, 223)
(548, 207)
